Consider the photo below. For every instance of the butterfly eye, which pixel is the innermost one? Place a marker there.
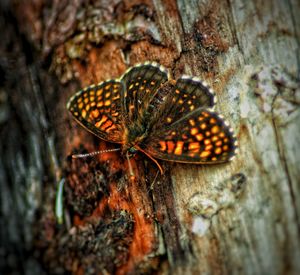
(132, 150)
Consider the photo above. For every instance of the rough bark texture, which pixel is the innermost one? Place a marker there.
(240, 217)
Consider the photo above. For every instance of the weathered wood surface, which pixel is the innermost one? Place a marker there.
(237, 218)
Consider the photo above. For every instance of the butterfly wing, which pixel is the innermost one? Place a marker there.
(98, 109)
(194, 93)
(187, 95)
(200, 137)
(141, 84)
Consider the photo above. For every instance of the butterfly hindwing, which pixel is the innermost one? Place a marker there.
(201, 137)
(98, 109)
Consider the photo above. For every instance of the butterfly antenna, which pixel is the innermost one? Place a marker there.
(77, 156)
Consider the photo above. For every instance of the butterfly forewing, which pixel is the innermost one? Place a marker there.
(141, 83)
(201, 137)
(98, 109)
(194, 93)
(187, 95)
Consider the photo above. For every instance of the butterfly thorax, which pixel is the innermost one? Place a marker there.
(134, 136)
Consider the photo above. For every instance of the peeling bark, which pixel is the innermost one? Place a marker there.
(240, 217)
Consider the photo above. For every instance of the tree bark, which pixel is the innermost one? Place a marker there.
(240, 217)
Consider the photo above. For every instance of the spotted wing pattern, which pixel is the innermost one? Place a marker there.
(187, 95)
(194, 93)
(98, 109)
(141, 84)
(201, 137)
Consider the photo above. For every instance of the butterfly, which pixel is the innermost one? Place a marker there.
(146, 110)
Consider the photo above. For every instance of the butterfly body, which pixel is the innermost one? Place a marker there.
(146, 110)
(136, 133)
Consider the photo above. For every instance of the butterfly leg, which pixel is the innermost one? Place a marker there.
(154, 160)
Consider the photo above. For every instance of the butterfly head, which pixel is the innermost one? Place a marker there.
(130, 152)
